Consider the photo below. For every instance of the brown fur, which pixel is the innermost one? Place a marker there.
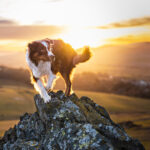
(66, 58)
(37, 52)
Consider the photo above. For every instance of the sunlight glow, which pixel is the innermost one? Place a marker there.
(82, 36)
(82, 17)
(79, 37)
(13, 45)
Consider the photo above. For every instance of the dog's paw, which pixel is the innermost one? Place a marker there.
(48, 89)
(47, 99)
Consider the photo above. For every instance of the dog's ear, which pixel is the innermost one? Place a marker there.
(33, 45)
(30, 45)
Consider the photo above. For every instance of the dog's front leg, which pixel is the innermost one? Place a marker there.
(41, 89)
(51, 78)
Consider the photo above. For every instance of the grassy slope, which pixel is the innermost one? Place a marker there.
(121, 108)
(118, 104)
(16, 100)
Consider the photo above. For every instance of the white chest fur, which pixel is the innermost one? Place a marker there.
(43, 67)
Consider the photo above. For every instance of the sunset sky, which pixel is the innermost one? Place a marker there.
(79, 22)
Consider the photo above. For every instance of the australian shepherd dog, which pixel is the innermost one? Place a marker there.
(46, 58)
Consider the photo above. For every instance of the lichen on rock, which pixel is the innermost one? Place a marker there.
(67, 123)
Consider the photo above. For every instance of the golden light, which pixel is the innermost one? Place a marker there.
(13, 45)
(80, 36)
(78, 15)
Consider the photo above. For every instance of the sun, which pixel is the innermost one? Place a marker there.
(81, 36)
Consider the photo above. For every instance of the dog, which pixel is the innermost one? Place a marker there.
(47, 58)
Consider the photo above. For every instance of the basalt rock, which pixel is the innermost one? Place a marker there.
(67, 123)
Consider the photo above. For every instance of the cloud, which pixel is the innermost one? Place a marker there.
(30, 32)
(7, 22)
(130, 39)
(129, 23)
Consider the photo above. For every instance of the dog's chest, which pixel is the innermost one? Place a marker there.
(43, 68)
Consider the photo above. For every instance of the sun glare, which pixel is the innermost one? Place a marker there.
(82, 17)
(79, 37)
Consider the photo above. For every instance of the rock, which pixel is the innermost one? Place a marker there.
(67, 123)
(129, 124)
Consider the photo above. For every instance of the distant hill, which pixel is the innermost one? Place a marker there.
(13, 59)
(88, 81)
(131, 60)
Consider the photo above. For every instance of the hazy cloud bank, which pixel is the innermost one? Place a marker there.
(129, 23)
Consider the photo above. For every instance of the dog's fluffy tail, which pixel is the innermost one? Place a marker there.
(86, 55)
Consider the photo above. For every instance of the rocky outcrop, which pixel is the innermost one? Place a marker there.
(67, 123)
(129, 124)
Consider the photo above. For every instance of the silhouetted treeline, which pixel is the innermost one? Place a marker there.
(105, 83)
(88, 81)
(17, 75)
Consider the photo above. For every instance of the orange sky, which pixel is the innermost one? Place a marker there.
(78, 22)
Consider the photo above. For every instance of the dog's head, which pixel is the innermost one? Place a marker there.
(40, 51)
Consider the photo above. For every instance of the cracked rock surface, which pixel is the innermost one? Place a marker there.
(67, 123)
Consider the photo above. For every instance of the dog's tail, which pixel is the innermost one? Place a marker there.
(86, 55)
